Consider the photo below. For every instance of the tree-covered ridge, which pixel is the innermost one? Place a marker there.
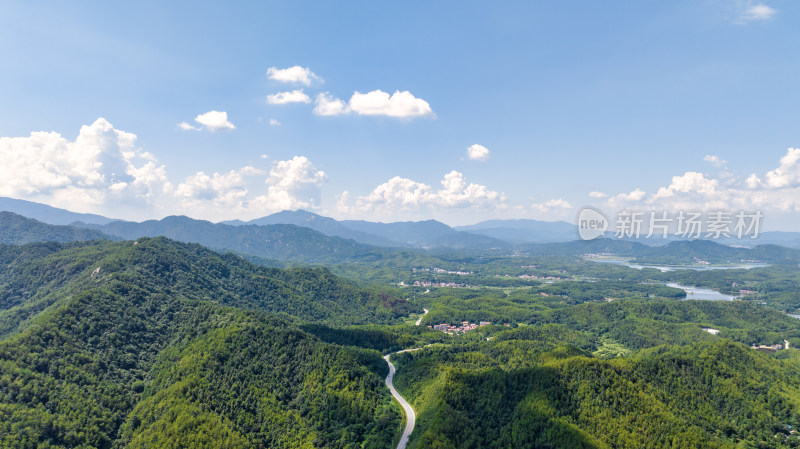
(279, 241)
(77, 370)
(268, 386)
(156, 343)
(644, 324)
(18, 230)
(533, 393)
(189, 271)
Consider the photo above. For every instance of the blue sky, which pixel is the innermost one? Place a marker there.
(623, 99)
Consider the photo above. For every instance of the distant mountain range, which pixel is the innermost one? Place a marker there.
(324, 239)
(325, 225)
(420, 234)
(277, 241)
(18, 230)
(49, 214)
(524, 231)
(680, 252)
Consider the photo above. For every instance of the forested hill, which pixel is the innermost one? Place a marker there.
(522, 392)
(35, 276)
(133, 344)
(277, 241)
(18, 230)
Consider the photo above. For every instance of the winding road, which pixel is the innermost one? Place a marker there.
(411, 418)
(419, 321)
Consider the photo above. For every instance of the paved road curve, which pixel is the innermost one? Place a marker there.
(410, 416)
(419, 321)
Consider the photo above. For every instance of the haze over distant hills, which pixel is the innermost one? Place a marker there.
(424, 234)
(18, 230)
(278, 241)
(524, 231)
(48, 214)
(486, 235)
(325, 225)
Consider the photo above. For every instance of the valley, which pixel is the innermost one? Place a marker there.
(260, 349)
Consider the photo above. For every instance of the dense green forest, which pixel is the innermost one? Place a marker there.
(155, 343)
(532, 390)
(146, 352)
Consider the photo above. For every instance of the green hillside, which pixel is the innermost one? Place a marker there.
(145, 351)
(532, 391)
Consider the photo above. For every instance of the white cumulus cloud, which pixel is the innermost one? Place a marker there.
(101, 170)
(292, 184)
(554, 205)
(377, 103)
(714, 160)
(187, 127)
(295, 74)
(757, 12)
(786, 175)
(399, 104)
(689, 182)
(328, 105)
(218, 190)
(211, 120)
(404, 193)
(776, 191)
(477, 152)
(294, 96)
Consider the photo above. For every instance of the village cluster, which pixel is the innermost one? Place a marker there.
(465, 326)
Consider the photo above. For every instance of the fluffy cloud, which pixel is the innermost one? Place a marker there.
(398, 192)
(776, 191)
(218, 190)
(477, 152)
(597, 194)
(554, 205)
(404, 193)
(636, 195)
(757, 12)
(295, 96)
(786, 175)
(274, 122)
(457, 193)
(294, 74)
(187, 127)
(714, 160)
(688, 183)
(328, 105)
(211, 120)
(293, 184)
(100, 170)
(398, 105)
(290, 184)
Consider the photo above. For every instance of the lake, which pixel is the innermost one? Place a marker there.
(704, 294)
(664, 268)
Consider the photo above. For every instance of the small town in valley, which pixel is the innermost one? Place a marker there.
(465, 327)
